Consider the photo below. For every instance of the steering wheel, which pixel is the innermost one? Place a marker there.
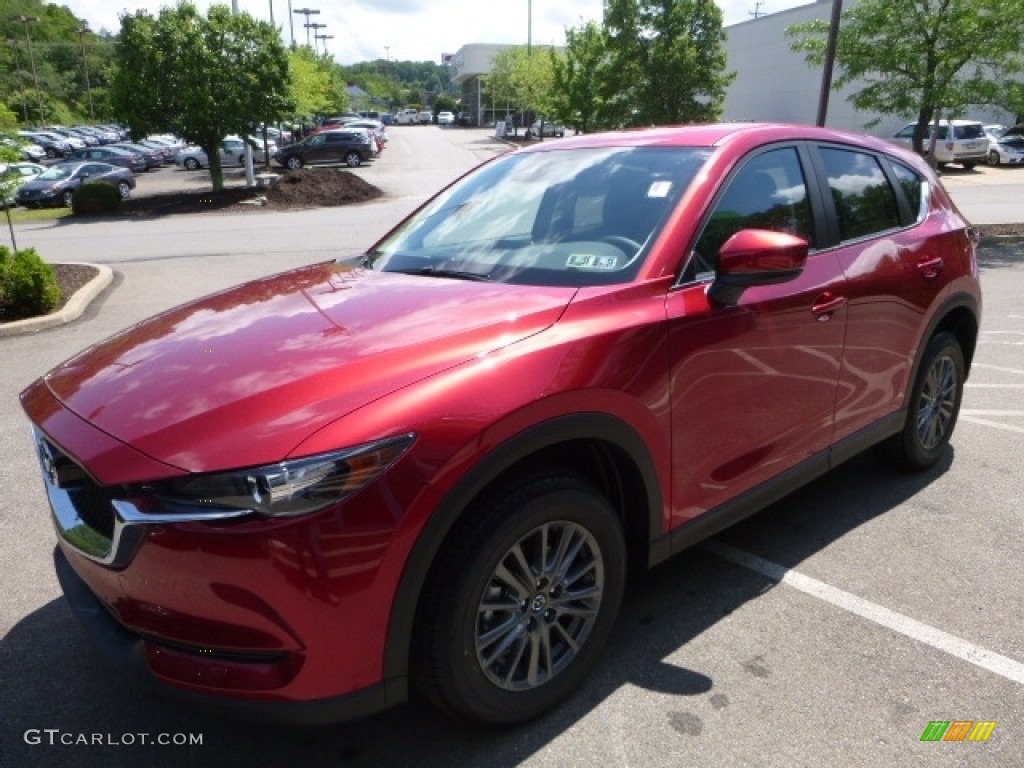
(624, 244)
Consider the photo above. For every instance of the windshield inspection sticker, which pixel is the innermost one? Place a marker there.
(659, 189)
(591, 261)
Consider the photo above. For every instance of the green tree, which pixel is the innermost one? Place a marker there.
(916, 57)
(668, 61)
(201, 78)
(523, 78)
(313, 89)
(578, 76)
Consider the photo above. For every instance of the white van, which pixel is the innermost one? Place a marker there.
(960, 141)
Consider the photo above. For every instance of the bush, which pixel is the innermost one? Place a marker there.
(95, 198)
(28, 285)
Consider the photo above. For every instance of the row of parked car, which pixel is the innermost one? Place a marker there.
(970, 142)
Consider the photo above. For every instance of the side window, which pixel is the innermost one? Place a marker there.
(915, 189)
(768, 192)
(906, 133)
(865, 203)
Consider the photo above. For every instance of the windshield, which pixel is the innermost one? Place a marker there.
(571, 217)
(56, 173)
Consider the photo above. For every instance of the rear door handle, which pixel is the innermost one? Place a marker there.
(930, 267)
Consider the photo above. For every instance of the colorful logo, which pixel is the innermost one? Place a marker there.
(958, 730)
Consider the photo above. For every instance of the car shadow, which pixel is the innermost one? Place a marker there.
(54, 679)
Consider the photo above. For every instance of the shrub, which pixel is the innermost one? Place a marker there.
(28, 285)
(95, 198)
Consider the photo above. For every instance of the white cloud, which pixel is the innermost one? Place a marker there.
(418, 30)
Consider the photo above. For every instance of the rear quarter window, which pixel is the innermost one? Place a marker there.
(864, 201)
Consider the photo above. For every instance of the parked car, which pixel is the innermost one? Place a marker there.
(445, 118)
(76, 141)
(57, 185)
(55, 146)
(29, 150)
(351, 146)
(425, 117)
(375, 126)
(438, 460)
(1007, 148)
(153, 157)
(959, 141)
(15, 175)
(132, 160)
(407, 117)
(232, 152)
(550, 129)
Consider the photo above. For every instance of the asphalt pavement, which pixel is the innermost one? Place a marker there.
(831, 629)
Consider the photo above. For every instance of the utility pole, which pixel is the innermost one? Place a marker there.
(26, 20)
(314, 26)
(21, 82)
(250, 173)
(830, 58)
(307, 12)
(291, 22)
(85, 65)
(756, 13)
(325, 38)
(529, 27)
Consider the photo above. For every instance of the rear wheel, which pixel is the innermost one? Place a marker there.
(293, 163)
(124, 189)
(191, 164)
(969, 165)
(521, 602)
(934, 406)
(68, 198)
(353, 160)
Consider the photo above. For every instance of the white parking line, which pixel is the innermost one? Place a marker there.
(998, 368)
(980, 657)
(995, 424)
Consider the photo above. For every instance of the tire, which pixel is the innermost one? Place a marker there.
(497, 643)
(293, 163)
(124, 189)
(191, 164)
(52, 153)
(993, 158)
(969, 165)
(933, 407)
(68, 198)
(353, 160)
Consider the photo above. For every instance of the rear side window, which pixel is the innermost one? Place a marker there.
(973, 131)
(915, 189)
(865, 203)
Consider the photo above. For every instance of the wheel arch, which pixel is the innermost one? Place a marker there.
(601, 448)
(959, 315)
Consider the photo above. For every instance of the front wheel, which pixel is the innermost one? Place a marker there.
(124, 189)
(68, 198)
(521, 602)
(969, 166)
(993, 158)
(191, 164)
(293, 163)
(353, 160)
(933, 407)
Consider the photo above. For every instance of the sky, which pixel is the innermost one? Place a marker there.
(416, 30)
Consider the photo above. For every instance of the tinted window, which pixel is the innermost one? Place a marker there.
(769, 192)
(865, 203)
(973, 131)
(914, 189)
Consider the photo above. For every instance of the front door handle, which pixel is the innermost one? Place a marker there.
(826, 305)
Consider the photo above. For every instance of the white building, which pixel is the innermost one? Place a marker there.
(773, 83)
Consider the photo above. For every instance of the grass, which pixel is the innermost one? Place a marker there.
(37, 214)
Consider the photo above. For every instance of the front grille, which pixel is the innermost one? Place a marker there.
(92, 503)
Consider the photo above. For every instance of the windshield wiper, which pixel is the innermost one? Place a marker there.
(441, 272)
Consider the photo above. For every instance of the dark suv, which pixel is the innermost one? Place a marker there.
(349, 146)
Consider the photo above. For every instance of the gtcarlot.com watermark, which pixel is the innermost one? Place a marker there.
(55, 737)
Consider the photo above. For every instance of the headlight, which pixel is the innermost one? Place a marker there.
(288, 488)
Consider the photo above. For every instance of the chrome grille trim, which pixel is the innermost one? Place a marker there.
(127, 522)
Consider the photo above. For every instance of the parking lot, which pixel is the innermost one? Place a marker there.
(831, 629)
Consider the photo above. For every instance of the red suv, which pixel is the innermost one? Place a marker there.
(438, 460)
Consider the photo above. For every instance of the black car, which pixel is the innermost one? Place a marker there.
(154, 157)
(134, 161)
(55, 146)
(351, 147)
(56, 186)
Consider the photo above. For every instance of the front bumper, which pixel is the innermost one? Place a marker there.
(130, 654)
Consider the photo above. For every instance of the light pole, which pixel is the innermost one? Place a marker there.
(325, 38)
(529, 27)
(307, 12)
(21, 82)
(85, 65)
(291, 22)
(387, 53)
(26, 20)
(314, 26)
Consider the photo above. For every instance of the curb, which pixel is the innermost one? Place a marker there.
(72, 309)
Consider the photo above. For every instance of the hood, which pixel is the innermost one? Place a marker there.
(241, 377)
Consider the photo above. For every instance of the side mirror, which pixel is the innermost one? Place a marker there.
(756, 257)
